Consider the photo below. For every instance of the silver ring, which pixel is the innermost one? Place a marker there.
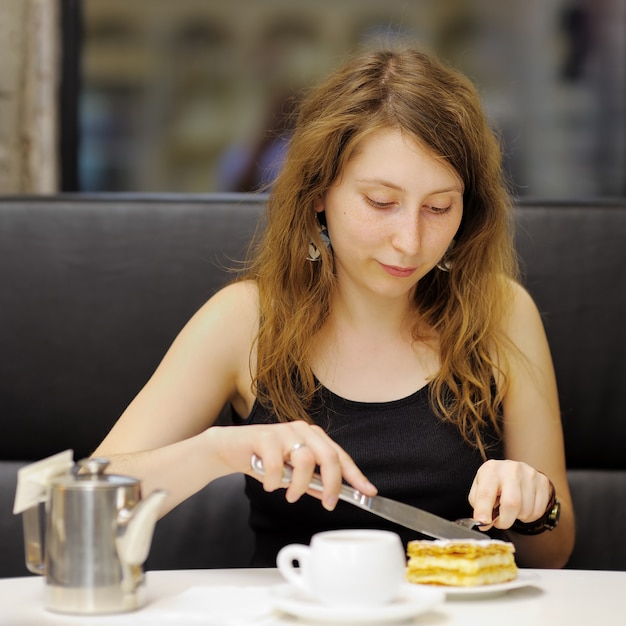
(297, 446)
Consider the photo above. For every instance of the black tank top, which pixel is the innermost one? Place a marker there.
(402, 446)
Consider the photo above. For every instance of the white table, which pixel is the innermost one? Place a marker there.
(555, 598)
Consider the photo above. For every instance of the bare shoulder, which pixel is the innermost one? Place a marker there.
(224, 328)
(241, 292)
(236, 304)
(523, 315)
(216, 345)
(524, 328)
(521, 297)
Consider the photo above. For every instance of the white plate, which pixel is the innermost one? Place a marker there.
(413, 600)
(481, 591)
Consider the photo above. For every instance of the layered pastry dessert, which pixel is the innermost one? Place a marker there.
(461, 562)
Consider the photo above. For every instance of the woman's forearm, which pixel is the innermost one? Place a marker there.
(181, 469)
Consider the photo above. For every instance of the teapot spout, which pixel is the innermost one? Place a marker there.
(135, 532)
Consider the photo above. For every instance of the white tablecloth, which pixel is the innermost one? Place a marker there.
(553, 598)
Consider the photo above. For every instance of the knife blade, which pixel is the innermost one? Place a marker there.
(391, 510)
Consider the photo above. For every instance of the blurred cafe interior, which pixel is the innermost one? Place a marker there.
(187, 96)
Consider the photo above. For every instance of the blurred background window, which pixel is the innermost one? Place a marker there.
(196, 95)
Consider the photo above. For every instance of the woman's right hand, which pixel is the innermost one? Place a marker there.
(307, 448)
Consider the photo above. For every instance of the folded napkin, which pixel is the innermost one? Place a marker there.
(211, 606)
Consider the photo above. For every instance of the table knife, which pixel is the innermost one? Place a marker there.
(397, 512)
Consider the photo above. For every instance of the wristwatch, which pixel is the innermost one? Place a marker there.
(548, 521)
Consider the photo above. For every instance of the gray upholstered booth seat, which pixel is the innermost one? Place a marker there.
(95, 288)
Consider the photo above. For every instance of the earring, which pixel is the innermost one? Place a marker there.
(445, 264)
(313, 253)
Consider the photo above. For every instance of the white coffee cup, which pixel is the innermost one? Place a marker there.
(347, 567)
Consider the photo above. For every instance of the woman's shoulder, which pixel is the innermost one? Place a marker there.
(239, 293)
(234, 307)
(243, 293)
(521, 303)
(523, 324)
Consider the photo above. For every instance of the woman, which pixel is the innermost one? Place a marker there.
(378, 330)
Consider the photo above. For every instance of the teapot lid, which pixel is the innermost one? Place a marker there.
(91, 475)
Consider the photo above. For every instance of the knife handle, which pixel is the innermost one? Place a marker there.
(348, 494)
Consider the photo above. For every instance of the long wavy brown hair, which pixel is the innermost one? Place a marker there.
(414, 92)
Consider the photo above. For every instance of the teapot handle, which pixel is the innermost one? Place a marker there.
(33, 487)
(33, 539)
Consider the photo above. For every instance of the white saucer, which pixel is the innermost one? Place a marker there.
(412, 600)
(482, 591)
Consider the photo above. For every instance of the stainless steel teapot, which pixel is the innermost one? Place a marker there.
(97, 536)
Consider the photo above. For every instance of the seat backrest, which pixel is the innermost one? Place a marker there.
(574, 264)
(94, 290)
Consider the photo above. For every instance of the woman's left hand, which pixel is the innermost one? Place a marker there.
(513, 488)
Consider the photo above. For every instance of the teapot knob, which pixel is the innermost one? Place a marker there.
(93, 467)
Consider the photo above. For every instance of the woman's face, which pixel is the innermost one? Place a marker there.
(392, 214)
